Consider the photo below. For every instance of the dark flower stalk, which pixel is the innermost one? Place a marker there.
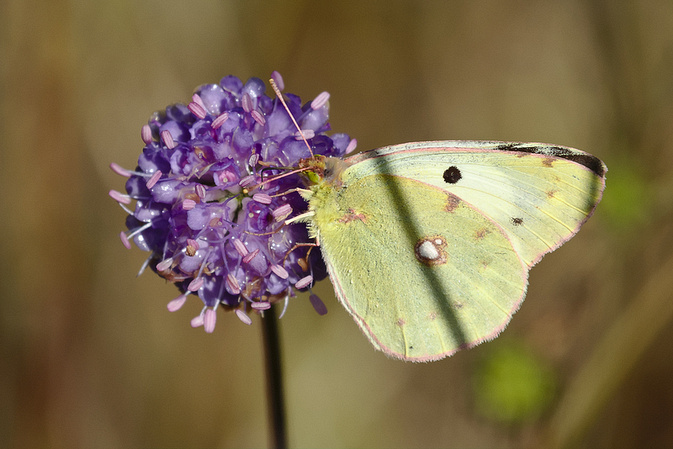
(209, 203)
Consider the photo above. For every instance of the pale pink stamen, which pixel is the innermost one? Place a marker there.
(253, 160)
(240, 248)
(119, 197)
(153, 180)
(351, 146)
(193, 243)
(168, 139)
(197, 321)
(219, 121)
(282, 212)
(258, 117)
(275, 76)
(246, 102)
(125, 240)
(195, 284)
(320, 101)
(243, 317)
(198, 110)
(279, 271)
(262, 198)
(304, 282)
(250, 256)
(197, 99)
(177, 303)
(201, 191)
(232, 283)
(188, 204)
(261, 305)
(164, 264)
(118, 169)
(304, 134)
(317, 304)
(209, 319)
(146, 134)
(247, 181)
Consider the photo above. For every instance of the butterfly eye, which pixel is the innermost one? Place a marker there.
(452, 175)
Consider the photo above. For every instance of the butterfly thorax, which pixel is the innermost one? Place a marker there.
(323, 175)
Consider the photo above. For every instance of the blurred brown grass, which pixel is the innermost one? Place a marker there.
(91, 358)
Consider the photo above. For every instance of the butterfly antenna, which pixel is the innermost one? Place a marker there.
(280, 97)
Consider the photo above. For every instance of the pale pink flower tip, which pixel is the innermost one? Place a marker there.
(188, 204)
(146, 134)
(279, 271)
(195, 284)
(240, 247)
(232, 284)
(282, 212)
(164, 264)
(177, 303)
(168, 139)
(278, 79)
(125, 240)
(119, 197)
(210, 317)
(320, 101)
(250, 256)
(201, 191)
(197, 321)
(317, 304)
(118, 169)
(197, 110)
(304, 282)
(261, 305)
(304, 134)
(351, 146)
(153, 180)
(258, 117)
(246, 102)
(219, 121)
(243, 317)
(262, 198)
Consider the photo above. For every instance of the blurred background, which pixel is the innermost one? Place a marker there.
(91, 358)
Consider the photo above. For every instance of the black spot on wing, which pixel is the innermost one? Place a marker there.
(591, 162)
(516, 221)
(452, 175)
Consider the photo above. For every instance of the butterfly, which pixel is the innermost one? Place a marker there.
(429, 244)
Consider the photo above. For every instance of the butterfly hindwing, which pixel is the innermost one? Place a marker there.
(422, 273)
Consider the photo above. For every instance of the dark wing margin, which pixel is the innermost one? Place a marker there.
(591, 162)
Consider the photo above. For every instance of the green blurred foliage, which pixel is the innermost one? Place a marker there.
(512, 385)
(91, 358)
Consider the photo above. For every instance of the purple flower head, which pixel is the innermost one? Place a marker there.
(210, 204)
